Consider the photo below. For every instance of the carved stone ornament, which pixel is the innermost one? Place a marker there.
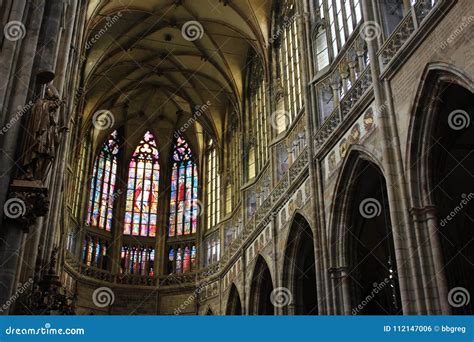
(27, 201)
(278, 90)
(48, 296)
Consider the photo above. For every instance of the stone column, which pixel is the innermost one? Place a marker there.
(396, 184)
(49, 41)
(314, 171)
(341, 286)
(22, 55)
(433, 278)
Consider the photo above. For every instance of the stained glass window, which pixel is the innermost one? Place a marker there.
(141, 211)
(193, 257)
(184, 205)
(103, 184)
(187, 260)
(179, 260)
(137, 260)
(182, 259)
(94, 252)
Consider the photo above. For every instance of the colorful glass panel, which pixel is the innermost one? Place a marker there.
(101, 199)
(187, 260)
(193, 258)
(141, 211)
(137, 260)
(179, 260)
(184, 191)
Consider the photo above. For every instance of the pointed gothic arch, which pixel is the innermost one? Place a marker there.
(234, 304)
(261, 288)
(141, 210)
(299, 268)
(440, 168)
(102, 187)
(362, 254)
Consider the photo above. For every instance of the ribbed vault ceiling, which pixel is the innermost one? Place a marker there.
(143, 60)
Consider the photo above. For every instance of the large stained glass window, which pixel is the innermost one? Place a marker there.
(141, 213)
(184, 206)
(103, 184)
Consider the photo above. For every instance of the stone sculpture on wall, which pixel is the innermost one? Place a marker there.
(43, 135)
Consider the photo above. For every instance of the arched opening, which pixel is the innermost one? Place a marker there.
(300, 270)
(261, 289)
(451, 164)
(373, 267)
(234, 305)
(209, 312)
(364, 240)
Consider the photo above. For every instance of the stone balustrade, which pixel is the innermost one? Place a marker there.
(406, 29)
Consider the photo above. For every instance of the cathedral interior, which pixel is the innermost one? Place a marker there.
(237, 157)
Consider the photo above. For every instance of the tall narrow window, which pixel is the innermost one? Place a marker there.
(228, 199)
(103, 184)
(290, 69)
(320, 38)
(141, 213)
(184, 191)
(251, 163)
(322, 56)
(259, 118)
(212, 187)
(342, 18)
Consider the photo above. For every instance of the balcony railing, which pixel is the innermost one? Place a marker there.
(129, 279)
(347, 80)
(269, 206)
(348, 101)
(413, 20)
